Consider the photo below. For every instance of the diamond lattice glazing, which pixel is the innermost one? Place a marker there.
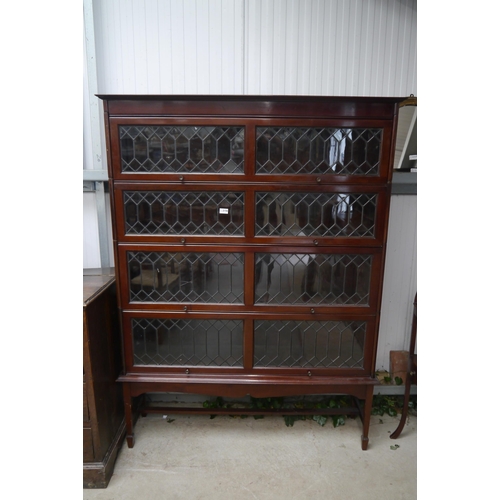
(315, 214)
(192, 342)
(182, 149)
(298, 150)
(309, 344)
(185, 277)
(163, 212)
(327, 279)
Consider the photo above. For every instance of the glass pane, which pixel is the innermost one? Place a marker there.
(312, 279)
(193, 342)
(309, 344)
(297, 150)
(181, 149)
(161, 212)
(312, 214)
(186, 277)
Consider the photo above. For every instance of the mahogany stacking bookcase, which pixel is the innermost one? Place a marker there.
(249, 240)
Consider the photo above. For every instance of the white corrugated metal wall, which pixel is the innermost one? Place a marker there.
(354, 47)
(170, 46)
(322, 47)
(302, 47)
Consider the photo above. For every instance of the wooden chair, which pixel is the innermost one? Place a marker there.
(411, 374)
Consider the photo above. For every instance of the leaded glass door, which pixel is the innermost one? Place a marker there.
(245, 274)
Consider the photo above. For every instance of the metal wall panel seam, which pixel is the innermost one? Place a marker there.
(91, 66)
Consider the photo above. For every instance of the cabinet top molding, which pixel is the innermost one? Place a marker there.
(286, 106)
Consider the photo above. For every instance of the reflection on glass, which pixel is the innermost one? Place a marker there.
(299, 150)
(163, 212)
(181, 149)
(312, 278)
(193, 342)
(309, 344)
(315, 214)
(186, 277)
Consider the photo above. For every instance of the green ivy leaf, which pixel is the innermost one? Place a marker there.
(399, 380)
(320, 419)
(394, 447)
(338, 420)
(276, 403)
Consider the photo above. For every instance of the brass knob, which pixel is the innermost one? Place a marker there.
(318, 180)
(185, 308)
(187, 371)
(183, 241)
(309, 374)
(181, 178)
(312, 310)
(316, 242)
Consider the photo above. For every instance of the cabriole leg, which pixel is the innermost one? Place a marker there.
(404, 414)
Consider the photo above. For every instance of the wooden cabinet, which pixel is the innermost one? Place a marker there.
(103, 413)
(250, 238)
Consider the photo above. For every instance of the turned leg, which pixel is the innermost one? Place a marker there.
(366, 417)
(129, 423)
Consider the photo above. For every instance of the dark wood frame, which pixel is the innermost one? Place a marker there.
(250, 112)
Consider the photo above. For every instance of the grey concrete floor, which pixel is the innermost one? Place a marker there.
(198, 458)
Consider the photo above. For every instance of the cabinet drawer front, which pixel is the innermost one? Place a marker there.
(187, 342)
(309, 344)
